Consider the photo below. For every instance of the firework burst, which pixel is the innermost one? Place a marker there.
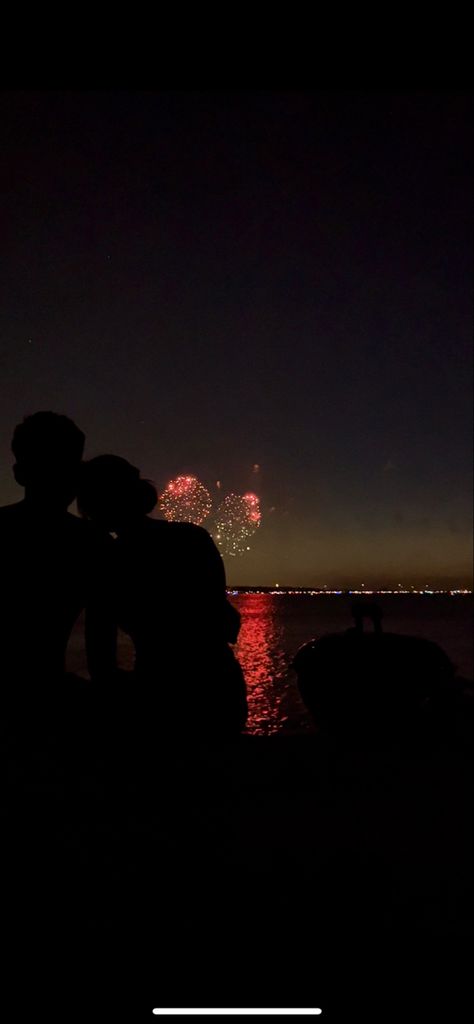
(185, 500)
(252, 505)
(236, 520)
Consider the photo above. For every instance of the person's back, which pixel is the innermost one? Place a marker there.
(50, 559)
(170, 597)
(46, 567)
(172, 591)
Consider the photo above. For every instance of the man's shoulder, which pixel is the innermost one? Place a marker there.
(11, 512)
(88, 533)
(13, 522)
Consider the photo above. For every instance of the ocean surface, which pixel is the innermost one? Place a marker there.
(273, 627)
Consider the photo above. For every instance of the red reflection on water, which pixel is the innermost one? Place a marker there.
(259, 652)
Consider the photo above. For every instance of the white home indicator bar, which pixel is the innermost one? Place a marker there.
(284, 1012)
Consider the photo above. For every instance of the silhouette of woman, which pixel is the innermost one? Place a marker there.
(170, 597)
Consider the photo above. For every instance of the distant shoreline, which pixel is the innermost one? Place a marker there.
(317, 591)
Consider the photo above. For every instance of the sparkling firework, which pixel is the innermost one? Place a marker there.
(237, 518)
(185, 500)
(252, 505)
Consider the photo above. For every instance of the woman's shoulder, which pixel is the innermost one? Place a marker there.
(180, 538)
(179, 531)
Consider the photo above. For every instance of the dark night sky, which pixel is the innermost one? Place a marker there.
(205, 281)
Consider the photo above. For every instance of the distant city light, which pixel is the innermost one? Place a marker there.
(324, 592)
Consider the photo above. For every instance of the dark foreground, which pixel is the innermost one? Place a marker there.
(264, 871)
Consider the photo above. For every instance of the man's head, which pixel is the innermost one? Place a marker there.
(48, 449)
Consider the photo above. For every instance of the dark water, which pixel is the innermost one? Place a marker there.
(274, 627)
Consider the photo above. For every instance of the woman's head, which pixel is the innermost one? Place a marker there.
(112, 493)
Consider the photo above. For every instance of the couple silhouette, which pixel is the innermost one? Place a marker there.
(162, 583)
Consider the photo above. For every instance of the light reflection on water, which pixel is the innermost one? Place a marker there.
(271, 685)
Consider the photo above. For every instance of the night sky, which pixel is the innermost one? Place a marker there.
(209, 282)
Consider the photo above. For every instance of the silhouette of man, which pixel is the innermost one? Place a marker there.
(53, 563)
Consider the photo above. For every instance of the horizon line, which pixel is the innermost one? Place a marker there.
(400, 589)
